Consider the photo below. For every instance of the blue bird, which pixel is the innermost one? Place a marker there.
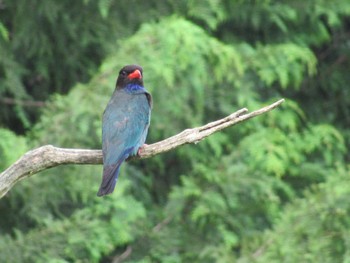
(125, 124)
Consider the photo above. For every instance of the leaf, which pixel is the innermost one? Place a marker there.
(4, 33)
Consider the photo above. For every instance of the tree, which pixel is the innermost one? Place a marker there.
(237, 195)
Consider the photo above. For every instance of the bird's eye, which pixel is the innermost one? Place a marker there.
(123, 73)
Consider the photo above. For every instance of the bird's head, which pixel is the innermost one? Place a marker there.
(130, 74)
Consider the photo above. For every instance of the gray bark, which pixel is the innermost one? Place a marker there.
(49, 156)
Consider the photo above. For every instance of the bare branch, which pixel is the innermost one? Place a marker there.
(25, 103)
(49, 156)
(123, 256)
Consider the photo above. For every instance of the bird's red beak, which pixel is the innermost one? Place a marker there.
(135, 75)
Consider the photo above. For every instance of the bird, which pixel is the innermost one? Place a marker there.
(125, 124)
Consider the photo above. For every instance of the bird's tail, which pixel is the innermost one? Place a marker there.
(110, 174)
(109, 179)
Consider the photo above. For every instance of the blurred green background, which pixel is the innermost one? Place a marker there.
(273, 189)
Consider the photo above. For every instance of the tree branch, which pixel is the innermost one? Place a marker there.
(49, 156)
(25, 103)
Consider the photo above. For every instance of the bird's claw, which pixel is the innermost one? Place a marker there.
(141, 149)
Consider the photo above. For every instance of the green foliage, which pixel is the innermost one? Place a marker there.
(4, 33)
(273, 189)
(280, 154)
(57, 45)
(112, 220)
(11, 148)
(320, 225)
(284, 63)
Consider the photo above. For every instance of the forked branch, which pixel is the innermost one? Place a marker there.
(49, 156)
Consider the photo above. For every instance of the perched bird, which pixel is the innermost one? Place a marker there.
(125, 124)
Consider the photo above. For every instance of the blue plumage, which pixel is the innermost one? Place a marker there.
(125, 124)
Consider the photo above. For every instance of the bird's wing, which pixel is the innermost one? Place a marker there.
(145, 106)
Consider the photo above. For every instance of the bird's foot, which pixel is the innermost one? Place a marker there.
(139, 151)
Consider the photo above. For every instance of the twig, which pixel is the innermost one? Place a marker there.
(162, 224)
(49, 156)
(261, 249)
(25, 103)
(120, 258)
(124, 255)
